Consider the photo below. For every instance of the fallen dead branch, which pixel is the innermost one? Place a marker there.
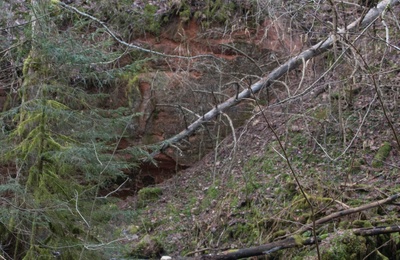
(297, 241)
(373, 231)
(262, 250)
(294, 242)
(350, 211)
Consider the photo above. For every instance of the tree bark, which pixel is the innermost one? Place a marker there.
(376, 230)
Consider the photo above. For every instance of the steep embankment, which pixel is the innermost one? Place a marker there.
(173, 92)
(338, 142)
(322, 139)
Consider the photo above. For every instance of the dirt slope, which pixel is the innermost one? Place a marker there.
(340, 142)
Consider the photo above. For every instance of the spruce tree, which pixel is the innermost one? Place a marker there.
(58, 140)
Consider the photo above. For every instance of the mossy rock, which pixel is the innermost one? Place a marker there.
(148, 247)
(381, 155)
(148, 194)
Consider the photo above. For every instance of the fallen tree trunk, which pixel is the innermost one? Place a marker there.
(293, 242)
(262, 250)
(319, 48)
(297, 241)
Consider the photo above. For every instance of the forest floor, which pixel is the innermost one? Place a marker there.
(282, 165)
(244, 193)
(333, 148)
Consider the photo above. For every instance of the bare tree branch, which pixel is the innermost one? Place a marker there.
(262, 250)
(373, 231)
(351, 211)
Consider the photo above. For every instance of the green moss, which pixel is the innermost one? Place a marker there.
(213, 192)
(265, 164)
(279, 233)
(321, 113)
(380, 256)
(26, 65)
(35, 251)
(245, 232)
(132, 229)
(298, 239)
(362, 224)
(381, 155)
(153, 25)
(132, 88)
(355, 166)
(324, 236)
(305, 217)
(185, 14)
(346, 246)
(148, 247)
(251, 187)
(217, 12)
(335, 96)
(148, 194)
(198, 14)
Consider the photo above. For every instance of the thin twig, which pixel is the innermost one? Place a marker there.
(114, 191)
(244, 54)
(95, 152)
(352, 140)
(233, 135)
(372, 76)
(77, 209)
(294, 174)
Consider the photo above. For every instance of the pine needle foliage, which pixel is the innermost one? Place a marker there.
(59, 141)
